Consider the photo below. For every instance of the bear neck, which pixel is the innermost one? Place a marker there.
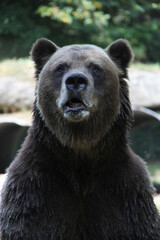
(112, 144)
(79, 168)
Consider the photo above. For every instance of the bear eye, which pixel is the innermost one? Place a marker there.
(96, 69)
(61, 69)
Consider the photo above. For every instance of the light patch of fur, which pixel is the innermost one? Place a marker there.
(80, 115)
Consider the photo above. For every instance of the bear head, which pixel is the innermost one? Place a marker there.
(81, 91)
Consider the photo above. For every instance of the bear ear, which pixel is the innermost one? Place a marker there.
(121, 53)
(41, 51)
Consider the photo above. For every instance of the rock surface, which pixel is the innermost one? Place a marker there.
(145, 88)
(15, 95)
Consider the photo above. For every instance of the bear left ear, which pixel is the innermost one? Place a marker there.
(121, 53)
(41, 51)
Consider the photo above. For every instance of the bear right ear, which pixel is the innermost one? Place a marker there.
(41, 51)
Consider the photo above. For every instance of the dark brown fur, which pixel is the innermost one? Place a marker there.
(79, 180)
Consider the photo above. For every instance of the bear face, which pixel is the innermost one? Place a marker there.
(80, 100)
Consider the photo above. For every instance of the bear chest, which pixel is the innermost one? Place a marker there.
(96, 215)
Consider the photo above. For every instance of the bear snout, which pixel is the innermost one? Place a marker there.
(76, 100)
(76, 82)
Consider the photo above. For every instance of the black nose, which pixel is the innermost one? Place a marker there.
(76, 82)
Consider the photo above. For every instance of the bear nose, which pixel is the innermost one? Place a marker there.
(76, 82)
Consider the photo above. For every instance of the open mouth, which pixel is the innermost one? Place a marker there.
(75, 110)
(74, 104)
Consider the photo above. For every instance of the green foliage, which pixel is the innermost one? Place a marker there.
(19, 27)
(80, 21)
(88, 12)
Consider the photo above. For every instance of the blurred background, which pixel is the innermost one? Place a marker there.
(65, 22)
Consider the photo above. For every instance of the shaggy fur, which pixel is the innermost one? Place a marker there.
(79, 180)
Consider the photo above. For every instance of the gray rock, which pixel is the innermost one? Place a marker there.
(145, 88)
(16, 94)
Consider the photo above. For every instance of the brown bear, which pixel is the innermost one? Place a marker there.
(75, 177)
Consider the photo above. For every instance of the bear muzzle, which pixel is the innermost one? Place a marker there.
(75, 109)
(75, 101)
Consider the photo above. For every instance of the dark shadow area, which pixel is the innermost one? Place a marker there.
(11, 137)
(145, 140)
